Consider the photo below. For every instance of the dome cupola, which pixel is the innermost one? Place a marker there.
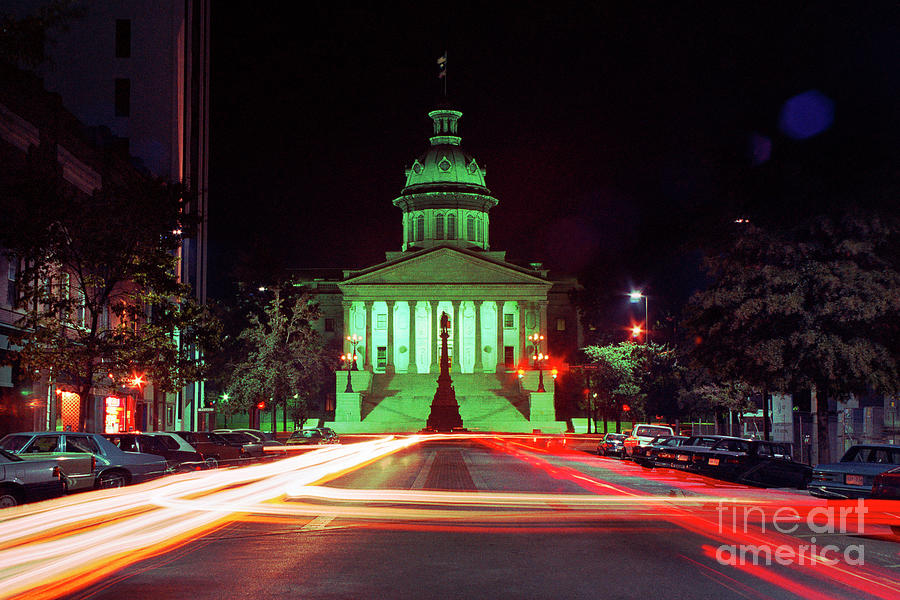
(445, 200)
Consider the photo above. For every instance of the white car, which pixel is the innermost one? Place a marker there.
(641, 435)
(28, 480)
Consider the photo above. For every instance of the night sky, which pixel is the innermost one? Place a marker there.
(616, 135)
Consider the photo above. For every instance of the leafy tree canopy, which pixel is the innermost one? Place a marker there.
(284, 359)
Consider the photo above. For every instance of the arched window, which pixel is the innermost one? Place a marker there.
(410, 232)
(439, 227)
(451, 227)
(470, 228)
(420, 228)
(478, 230)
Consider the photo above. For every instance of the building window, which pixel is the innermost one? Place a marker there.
(381, 322)
(560, 324)
(509, 321)
(123, 97)
(329, 324)
(451, 227)
(123, 38)
(12, 289)
(410, 237)
(381, 357)
(478, 237)
(470, 228)
(439, 227)
(80, 310)
(420, 228)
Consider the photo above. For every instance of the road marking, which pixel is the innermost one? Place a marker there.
(477, 479)
(320, 522)
(419, 483)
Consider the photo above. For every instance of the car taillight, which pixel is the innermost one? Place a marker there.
(56, 472)
(93, 463)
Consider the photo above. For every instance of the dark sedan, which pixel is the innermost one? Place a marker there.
(661, 450)
(612, 444)
(755, 462)
(854, 475)
(179, 455)
(214, 449)
(683, 456)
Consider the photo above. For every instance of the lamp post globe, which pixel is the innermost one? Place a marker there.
(538, 358)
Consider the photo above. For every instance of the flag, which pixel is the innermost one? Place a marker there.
(442, 66)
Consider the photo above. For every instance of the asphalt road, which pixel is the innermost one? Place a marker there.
(459, 518)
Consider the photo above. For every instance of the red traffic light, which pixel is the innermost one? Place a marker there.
(261, 405)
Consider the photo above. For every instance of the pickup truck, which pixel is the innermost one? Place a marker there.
(642, 435)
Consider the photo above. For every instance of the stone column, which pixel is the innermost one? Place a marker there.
(368, 349)
(347, 325)
(521, 333)
(413, 367)
(434, 342)
(389, 368)
(501, 366)
(479, 366)
(543, 325)
(456, 367)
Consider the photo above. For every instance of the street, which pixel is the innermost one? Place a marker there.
(449, 517)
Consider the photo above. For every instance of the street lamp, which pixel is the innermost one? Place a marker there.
(539, 358)
(350, 359)
(635, 297)
(354, 342)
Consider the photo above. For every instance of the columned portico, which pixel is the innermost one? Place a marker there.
(479, 365)
(445, 265)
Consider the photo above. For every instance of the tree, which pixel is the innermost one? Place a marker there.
(97, 287)
(817, 305)
(285, 362)
(616, 378)
(701, 395)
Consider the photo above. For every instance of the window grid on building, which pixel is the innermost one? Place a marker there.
(123, 97)
(123, 38)
(420, 228)
(439, 227)
(451, 227)
(509, 321)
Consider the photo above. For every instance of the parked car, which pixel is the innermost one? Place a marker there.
(330, 435)
(886, 485)
(114, 467)
(641, 435)
(28, 480)
(612, 444)
(270, 444)
(179, 455)
(306, 437)
(854, 475)
(755, 462)
(212, 447)
(683, 457)
(250, 445)
(664, 445)
(77, 468)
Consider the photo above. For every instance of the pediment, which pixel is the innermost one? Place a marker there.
(445, 266)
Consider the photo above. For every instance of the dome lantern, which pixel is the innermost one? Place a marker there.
(445, 200)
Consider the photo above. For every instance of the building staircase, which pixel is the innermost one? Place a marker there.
(402, 402)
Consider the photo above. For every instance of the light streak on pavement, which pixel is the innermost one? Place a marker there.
(54, 548)
(103, 535)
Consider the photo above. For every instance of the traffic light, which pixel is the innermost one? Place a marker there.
(261, 405)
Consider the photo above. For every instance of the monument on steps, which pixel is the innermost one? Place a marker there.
(444, 408)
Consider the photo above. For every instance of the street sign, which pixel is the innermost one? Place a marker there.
(206, 409)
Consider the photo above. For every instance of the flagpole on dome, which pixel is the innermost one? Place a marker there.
(442, 70)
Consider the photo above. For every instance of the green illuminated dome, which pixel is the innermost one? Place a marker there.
(445, 200)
